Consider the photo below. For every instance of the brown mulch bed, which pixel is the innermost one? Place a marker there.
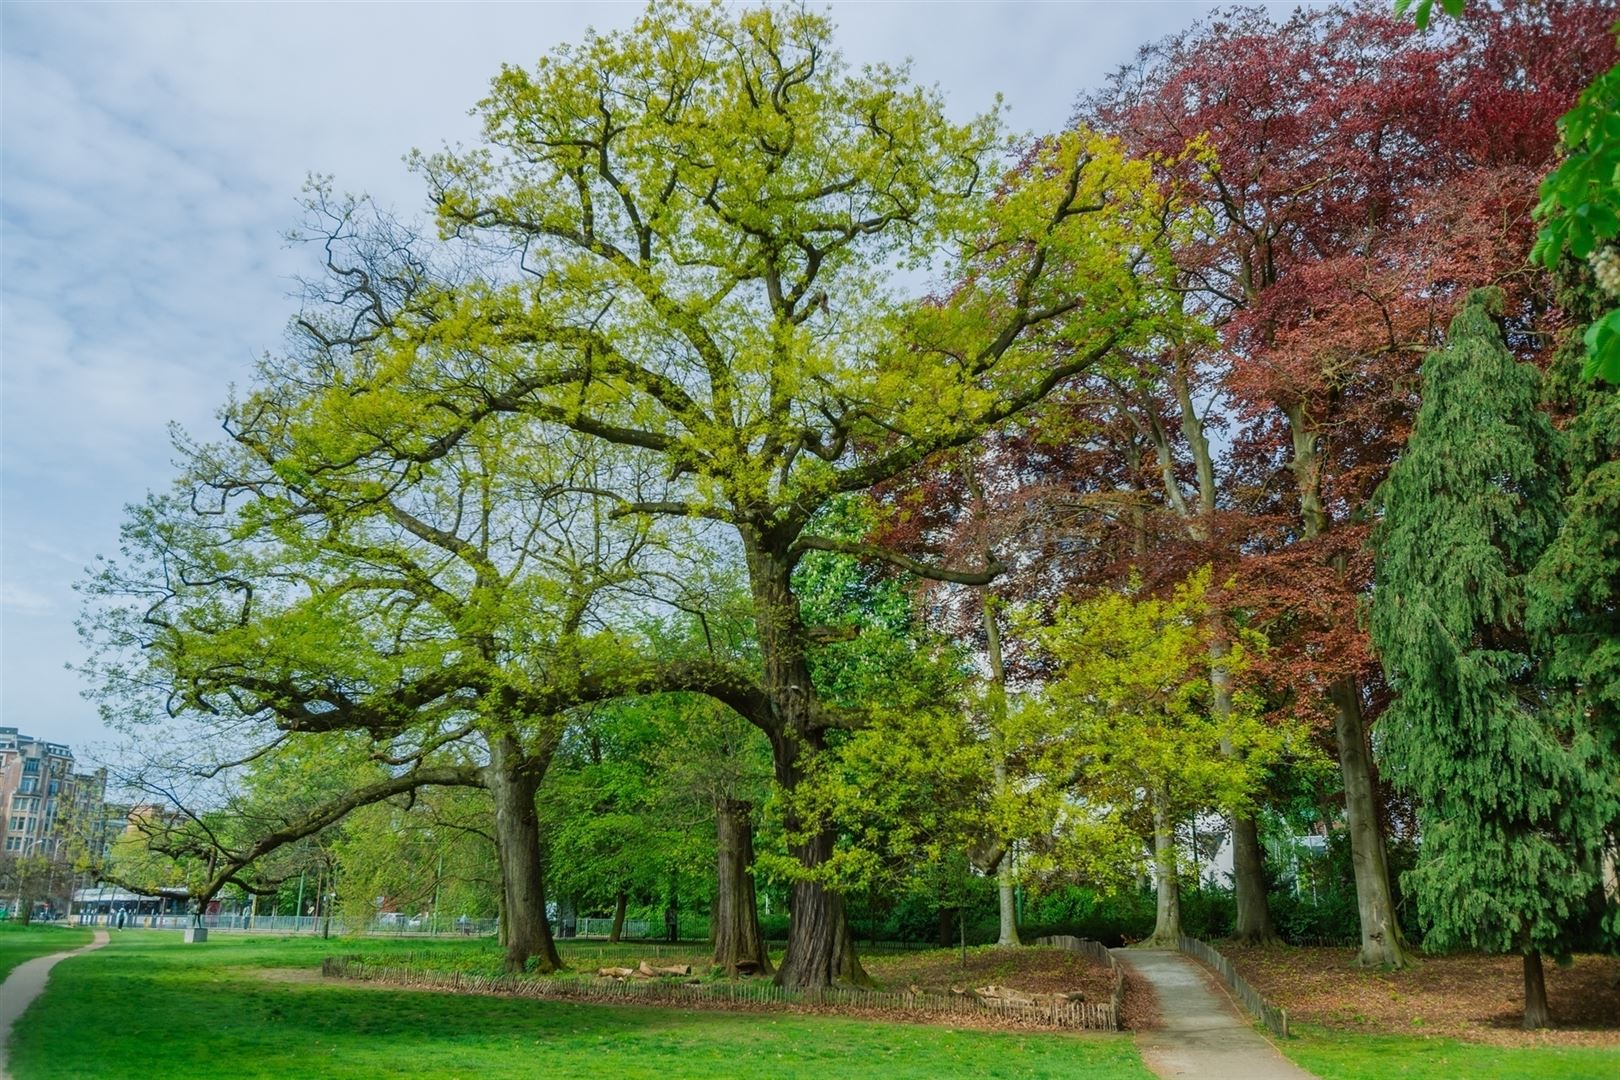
(1032, 969)
(1468, 996)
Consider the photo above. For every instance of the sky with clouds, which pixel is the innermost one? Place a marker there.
(151, 157)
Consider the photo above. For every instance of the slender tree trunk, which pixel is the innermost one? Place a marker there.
(1381, 941)
(1008, 936)
(1536, 1013)
(1254, 924)
(517, 840)
(1167, 925)
(620, 902)
(821, 947)
(738, 944)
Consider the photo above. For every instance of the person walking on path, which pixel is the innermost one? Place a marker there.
(24, 984)
(1203, 1035)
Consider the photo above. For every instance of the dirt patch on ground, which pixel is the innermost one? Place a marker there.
(284, 975)
(1472, 997)
(1032, 969)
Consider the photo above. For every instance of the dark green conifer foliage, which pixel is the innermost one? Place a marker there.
(1506, 779)
(1574, 598)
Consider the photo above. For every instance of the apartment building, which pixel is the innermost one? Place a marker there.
(40, 794)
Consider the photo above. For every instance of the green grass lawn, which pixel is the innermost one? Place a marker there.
(19, 943)
(1337, 1055)
(152, 1007)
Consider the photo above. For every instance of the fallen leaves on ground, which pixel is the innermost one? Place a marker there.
(1467, 996)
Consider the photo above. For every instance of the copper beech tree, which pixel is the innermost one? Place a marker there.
(1366, 176)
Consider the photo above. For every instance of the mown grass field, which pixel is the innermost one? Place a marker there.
(149, 1007)
(19, 943)
(1337, 1055)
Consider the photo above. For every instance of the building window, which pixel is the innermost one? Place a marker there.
(27, 786)
(31, 767)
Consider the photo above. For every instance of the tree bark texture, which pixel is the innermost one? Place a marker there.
(620, 902)
(517, 841)
(821, 948)
(1536, 1013)
(1254, 925)
(1167, 924)
(738, 944)
(1381, 941)
(1008, 935)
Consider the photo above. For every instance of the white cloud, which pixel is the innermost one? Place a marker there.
(151, 158)
(23, 600)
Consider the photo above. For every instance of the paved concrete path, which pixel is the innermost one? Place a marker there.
(24, 984)
(1204, 1036)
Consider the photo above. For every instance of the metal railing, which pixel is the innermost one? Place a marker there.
(338, 925)
(1274, 1017)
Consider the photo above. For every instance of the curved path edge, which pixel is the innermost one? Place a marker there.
(1203, 1036)
(25, 983)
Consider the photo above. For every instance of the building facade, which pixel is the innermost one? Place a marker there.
(41, 797)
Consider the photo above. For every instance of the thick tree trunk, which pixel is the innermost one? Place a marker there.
(1254, 926)
(1381, 941)
(620, 902)
(1167, 925)
(821, 948)
(517, 841)
(738, 945)
(1536, 1013)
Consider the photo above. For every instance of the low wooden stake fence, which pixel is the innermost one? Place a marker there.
(1098, 952)
(1274, 1017)
(1098, 1016)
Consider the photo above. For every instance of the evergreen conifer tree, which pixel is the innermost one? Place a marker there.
(1574, 597)
(1507, 782)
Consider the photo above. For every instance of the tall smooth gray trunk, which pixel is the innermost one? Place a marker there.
(1007, 937)
(1167, 923)
(1381, 942)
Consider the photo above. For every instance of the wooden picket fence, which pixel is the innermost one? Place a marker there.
(1077, 1014)
(1274, 1017)
(1100, 953)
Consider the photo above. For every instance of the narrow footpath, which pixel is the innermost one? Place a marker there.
(24, 984)
(1205, 1036)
